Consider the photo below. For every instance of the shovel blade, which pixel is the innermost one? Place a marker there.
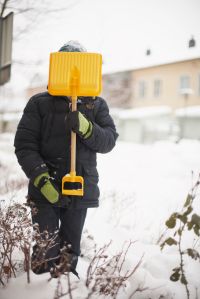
(72, 185)
(89, 73)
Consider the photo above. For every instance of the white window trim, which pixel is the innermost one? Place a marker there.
(140, 95)
(184, 86)
(160, 87)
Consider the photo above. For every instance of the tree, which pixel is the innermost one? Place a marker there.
(30, 11)
(29, 16)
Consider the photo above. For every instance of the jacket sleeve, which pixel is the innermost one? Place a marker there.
(27, 140)
(104, 133)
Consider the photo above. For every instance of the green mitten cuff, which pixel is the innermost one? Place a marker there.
(50, 192)
(89, 131)
(47, 189)
(38, 178)
(83, 123)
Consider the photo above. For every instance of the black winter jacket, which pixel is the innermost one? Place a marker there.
(42, 143)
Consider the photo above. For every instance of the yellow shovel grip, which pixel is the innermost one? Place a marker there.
(72, 178)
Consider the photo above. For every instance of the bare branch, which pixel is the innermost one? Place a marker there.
(4, 6)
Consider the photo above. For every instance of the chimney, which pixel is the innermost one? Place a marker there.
(192, 42)
(148, 52)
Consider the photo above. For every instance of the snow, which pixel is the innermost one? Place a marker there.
(193, 111)
(142, 112)
(141, 185)
(17, 105)
(160, 56)
(11, 116)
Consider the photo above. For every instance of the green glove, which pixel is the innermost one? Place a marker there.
(43, 182)
(77, 122)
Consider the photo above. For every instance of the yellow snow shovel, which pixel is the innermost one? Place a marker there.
(74, 74)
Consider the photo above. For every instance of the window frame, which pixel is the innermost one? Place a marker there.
(157, 90)
(184, 82)
(142, 89)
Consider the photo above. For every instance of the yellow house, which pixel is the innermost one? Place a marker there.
(175, 84)
(152, 81)
(158, 97)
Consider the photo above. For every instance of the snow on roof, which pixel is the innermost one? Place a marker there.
(191, 111)
(161, 56)
(11, 116)
(141, 112)
(13, 104)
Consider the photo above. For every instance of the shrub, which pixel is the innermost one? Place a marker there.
(180, 223)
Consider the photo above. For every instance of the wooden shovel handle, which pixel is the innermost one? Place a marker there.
(73, 140)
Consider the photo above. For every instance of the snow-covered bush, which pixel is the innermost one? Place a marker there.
(106, 274)
(15, 236)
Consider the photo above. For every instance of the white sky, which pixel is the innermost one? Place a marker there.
(120, 29)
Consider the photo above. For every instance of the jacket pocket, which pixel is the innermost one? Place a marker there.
(90, 171)
(91, 179)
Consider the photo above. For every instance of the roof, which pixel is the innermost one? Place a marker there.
(137, 113)
(160, 57)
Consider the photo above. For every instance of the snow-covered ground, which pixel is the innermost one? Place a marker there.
(141, 185)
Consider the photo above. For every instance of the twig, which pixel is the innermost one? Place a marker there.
(69, 286)
(139, 289)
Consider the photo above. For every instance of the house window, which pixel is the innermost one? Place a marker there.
(157, 88)
(184, 82)
(142, 89)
